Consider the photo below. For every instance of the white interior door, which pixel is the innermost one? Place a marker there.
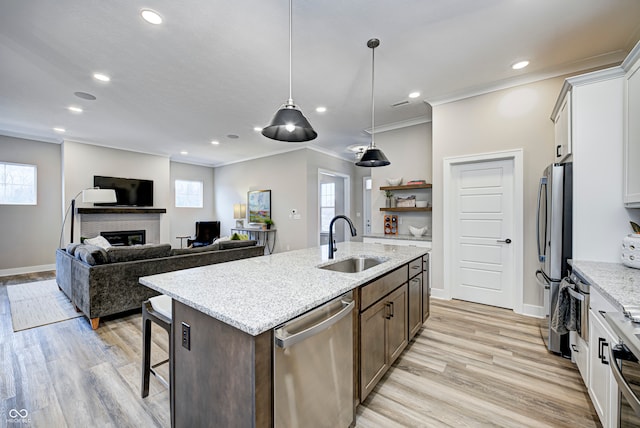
(482, 231)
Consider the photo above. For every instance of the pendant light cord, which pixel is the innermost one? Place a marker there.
(373, 130)
(290, 102)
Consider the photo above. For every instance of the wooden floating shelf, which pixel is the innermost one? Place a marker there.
(405, 209)
(407, 187)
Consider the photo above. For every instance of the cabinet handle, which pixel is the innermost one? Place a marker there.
(603, 359)
(387, 310)
(602, 313)
(414, 267)
(574, 349)
(600, 342)
(558, 154)
(392, 310)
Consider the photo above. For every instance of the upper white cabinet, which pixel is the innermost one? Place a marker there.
(632, 129)
(561, 117)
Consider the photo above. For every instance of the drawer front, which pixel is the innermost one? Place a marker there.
(379, 288)
(415, 267)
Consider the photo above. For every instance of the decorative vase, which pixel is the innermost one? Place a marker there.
(393, 202)
(388, 203)
(631, 250)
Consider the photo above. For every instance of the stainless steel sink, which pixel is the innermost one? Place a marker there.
(354, 264)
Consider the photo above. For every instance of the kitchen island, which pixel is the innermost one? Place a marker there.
(223, 321)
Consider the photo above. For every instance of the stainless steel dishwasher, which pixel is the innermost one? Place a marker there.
(313, 367)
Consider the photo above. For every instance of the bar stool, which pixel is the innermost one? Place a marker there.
(158, 310)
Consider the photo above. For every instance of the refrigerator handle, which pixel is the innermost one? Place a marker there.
(543, 183)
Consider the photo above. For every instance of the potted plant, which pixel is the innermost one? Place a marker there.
(389, 196)
(268, 223)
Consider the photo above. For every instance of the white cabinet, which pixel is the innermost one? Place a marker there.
(561, 117)
(602, 387)
(580, 355)
(632, 129)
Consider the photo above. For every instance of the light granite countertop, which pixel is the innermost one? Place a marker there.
(617, 283)
(260, 293)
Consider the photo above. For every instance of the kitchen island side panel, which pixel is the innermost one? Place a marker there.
(225, 378)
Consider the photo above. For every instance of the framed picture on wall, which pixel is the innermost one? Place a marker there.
(259, 204)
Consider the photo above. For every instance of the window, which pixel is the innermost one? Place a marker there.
(327, 205)
(18, 184)
(189, 194)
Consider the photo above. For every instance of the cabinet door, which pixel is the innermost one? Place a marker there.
(397, 323)
(599, 370)
(426, 291)
(415, 305)
(562, 129)
(373, 361)
(632, 137)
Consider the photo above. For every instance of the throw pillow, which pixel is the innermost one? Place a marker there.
(91, 254)
(98, 241)
(138, 252)
(239, 237)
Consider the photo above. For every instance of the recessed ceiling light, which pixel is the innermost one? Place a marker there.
(215, 142)
(101, 77)
(184, 152)
(59, 129)
(151, 16)
(257, 129)
(321, 109)
(520, 65)
(414, 94)
(75, 109)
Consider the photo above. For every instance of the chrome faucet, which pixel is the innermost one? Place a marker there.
(332, 243)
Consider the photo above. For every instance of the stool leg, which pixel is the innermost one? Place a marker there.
(146, 356)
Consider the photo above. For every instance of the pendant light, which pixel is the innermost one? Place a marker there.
(373, 156)
(289, 124)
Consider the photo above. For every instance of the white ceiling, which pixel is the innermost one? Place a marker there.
(215, 68)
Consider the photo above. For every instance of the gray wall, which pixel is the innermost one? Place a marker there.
(410, 152)
(30, 233)
(293, 180)
(508, 119)
(82, 161)
(183, 220)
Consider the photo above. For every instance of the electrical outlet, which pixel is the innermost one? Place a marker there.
(186, 336)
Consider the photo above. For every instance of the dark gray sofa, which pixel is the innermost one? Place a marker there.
(99, 287)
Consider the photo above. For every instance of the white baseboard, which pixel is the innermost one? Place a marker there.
(533, 311)
(27, 269)
(439, 293)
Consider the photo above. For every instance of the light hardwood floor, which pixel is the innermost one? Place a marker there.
(471, 366)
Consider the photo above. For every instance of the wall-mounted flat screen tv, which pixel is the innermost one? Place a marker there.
(130, 192)
(259, 203)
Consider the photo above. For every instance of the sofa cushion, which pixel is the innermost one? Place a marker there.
(138, 252)
(71, 248)
(192, 250)
(91, 254)
(227, 245)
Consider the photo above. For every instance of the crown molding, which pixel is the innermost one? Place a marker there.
(400, 125)
(599, 61)
(30, 136)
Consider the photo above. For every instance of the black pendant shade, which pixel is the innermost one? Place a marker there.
(290, 125)
(373, 157)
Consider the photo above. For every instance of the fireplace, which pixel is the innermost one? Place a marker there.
(125, 237)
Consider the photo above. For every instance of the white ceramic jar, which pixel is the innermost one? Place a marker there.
(631, 250)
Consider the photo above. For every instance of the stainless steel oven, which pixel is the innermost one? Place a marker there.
(626, 368)
(579, 291)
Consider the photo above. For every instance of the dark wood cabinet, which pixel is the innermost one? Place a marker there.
(415, 305)
(383, 337)
(426, 288)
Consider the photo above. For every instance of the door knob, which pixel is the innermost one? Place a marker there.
(506, 241)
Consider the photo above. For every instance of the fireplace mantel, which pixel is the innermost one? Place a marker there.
(121, 210)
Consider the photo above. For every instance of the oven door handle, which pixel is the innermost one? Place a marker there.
(576, 295)
(625, 389)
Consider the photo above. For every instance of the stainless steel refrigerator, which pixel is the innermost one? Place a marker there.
(554, 237)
